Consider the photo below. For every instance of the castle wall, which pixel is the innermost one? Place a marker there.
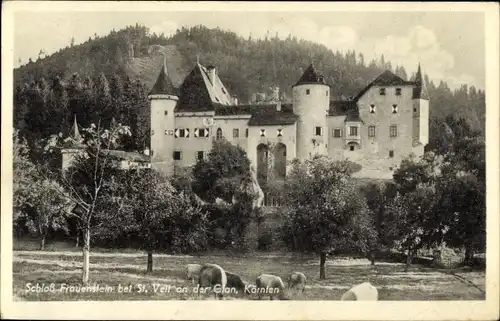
(288, 138)
(229, 124)
(336, 145)
(190, 146)
(375, 152)
(312, 109)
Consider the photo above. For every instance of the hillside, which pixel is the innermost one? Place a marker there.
(125, 64)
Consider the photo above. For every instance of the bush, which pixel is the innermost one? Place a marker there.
(266, 241)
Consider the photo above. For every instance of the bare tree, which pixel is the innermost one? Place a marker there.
(86, 178)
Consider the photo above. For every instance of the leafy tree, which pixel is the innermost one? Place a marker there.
(462, 205)
(414, 171)
(46, 208)
(153, 214)
(410, 219)
(220, 175)
(324, 211)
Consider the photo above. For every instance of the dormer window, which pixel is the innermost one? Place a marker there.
(308, 91)
(394, 109)
(398, 91)
(382, 91)
(372, 109)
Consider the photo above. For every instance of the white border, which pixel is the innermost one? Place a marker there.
(232, 310)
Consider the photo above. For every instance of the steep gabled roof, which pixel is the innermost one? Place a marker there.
(164, 85)
(199, 93)
(387, 78)
(261, 115)
(310, 76)
(420, 90)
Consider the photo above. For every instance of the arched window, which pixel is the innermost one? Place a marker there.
(218, 135)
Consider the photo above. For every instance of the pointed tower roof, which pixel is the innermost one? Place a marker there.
(164, 85)
(420, 90)
(75, 133)
(74, 141)
(310, 76)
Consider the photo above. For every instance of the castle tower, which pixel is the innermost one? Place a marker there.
(163, 99)
(311, 100)
(71, 146)
(420, 102)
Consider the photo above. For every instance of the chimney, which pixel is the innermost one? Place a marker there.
(211, 74)
(278, 105)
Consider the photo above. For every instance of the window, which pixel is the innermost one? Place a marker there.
(308, 91)
(201, 132)
(372, 109)
(236, 133)
(327, 93)
(337, 132)
(262, 133)
(246, 132)
(414, 109)
(318, 131)
(223, 90)
(280, 132)
(177, 155)
(371, 131)
(199, 155)
(394, 109)
(353, 131)
(166, 112)
(398, 91)
(391, 153)
(217, 99)
(382, 91)
(218, 134)
(169, 132)
(351, 148)
(181, 132)
(393, 130)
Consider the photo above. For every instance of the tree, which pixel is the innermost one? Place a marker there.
(86, 179)
(410, 219)
(220, 175)
(324, 211)
(46, 208)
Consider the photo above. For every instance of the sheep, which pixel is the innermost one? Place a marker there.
(213, 275)
(234, 281)
(361, 292)
(297, 280)
(268, 284)
(193, 272)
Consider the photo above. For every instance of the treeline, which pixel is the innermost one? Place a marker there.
(246, 66)
(44, 108)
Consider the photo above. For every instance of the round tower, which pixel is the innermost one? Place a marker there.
(163, 98)
(311, 100)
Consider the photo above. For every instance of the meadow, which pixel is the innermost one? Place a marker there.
(126, 270)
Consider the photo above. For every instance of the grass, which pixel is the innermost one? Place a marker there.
(124, 270)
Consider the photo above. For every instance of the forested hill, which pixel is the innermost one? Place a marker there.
(109, 76)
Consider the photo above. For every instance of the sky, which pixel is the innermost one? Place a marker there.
(450, 46)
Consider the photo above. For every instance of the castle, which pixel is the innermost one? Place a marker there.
(382, 124)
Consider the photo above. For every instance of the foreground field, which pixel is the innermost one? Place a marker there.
(126, 271)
